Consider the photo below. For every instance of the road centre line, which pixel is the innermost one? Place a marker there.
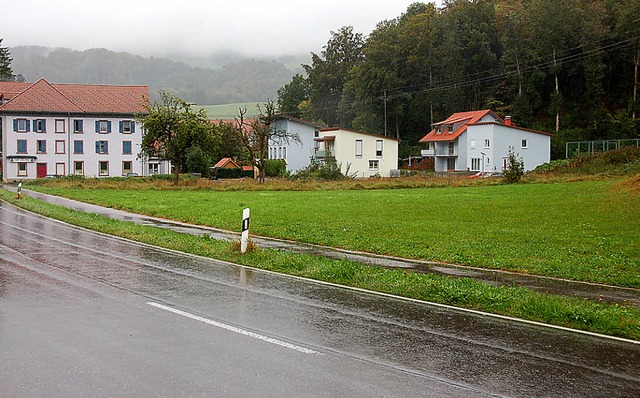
(235, 329)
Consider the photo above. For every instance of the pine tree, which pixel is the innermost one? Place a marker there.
(6, 74)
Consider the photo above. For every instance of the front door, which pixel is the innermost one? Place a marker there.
(41, 170)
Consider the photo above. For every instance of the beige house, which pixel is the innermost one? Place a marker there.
(361, 154)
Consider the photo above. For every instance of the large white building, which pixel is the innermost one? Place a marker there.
(360, 154)
(63, 129)
(480, 141)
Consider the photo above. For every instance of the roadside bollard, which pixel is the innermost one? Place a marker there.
(19, 190)
(244, 240)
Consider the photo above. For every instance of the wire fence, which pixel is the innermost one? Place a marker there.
(577, 148)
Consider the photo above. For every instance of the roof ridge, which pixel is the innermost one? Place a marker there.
(64, 95)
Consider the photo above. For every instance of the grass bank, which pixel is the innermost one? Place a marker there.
(583, 230)
(612, 319)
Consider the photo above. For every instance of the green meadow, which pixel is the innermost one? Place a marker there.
(586, 230)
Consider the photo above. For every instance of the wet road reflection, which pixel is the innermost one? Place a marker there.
(370, 345)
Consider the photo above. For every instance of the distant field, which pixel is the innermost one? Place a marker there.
(230, 111)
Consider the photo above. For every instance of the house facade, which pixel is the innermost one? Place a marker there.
(363, 154)
(64, 129)
(296, 153)
(480, 141)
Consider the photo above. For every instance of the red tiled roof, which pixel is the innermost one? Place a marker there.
(224, 162)
(43, 96)
(8, 90)
(470, 117)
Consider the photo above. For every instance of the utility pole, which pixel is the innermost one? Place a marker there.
(385, 113)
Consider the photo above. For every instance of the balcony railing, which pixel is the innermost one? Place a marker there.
(428, 152)
(447, 152)
(323, 155)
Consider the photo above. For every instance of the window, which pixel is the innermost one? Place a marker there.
(126, 147)
(373, 164)
(154, 168)
(487, 144)
(103, 168)
(103, 126)
(78, 168)
(102, 147)
(22, 146)
(40, 126)
(126, 167)
(59, 125)
(60, 146)
(473, 144)
(475, 164)
(359, 148)
(22, 169)
(452, 148)
(78, 146)
(78, 126)
(316, 134)
(127, 126)
(21, 125)
(525, 143)
(378, 148)
(60, 171)
(41, 146)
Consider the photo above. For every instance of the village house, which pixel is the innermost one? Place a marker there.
(358, 153)
(297, 153)
(63, 129)
(480, 141)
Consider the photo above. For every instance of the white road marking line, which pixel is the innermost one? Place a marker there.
(235, 329)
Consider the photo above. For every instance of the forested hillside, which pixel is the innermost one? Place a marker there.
(569, 67)
(245, 80)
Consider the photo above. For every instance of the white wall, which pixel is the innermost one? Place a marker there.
(298, 154)
(88, 136)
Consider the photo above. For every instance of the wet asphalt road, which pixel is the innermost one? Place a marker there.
(83, 314)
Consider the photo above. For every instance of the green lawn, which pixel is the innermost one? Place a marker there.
(577, 230)
(230, 111)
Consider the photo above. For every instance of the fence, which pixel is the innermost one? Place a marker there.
(577, 148)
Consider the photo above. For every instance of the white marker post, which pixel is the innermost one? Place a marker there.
(244, 240)
(19, 190)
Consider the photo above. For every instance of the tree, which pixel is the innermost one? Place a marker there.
(292, 94)
(172, 128)
(515, 167)
(259, 133)
(6, 73)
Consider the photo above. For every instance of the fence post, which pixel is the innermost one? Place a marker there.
(244, 240)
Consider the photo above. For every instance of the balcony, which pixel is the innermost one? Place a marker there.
(447, 152)
(321, 156)
(428, 152)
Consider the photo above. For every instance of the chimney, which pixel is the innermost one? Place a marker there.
(507, 120)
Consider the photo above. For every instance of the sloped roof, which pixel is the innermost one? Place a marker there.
(226, 161)
(358, 132)
(43, 96)
(467, 118)
(295, 119)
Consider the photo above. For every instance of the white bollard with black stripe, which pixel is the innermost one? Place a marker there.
(244, 240)
(19, 190)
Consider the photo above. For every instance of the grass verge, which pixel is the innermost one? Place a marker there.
(605, 318)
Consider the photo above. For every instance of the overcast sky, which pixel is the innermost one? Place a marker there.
(144, 27)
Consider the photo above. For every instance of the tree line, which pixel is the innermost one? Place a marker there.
(569, 67)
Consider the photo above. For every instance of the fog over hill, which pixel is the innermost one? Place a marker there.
(218, 79)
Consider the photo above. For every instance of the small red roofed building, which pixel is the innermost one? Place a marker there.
(64, 129)
(480, 141)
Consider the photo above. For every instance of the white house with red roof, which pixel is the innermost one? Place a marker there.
(63, 129)
(358, 153)
(480, 141)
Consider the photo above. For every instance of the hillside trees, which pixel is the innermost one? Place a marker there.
(172, 129)
(566, 66)
(6, 73)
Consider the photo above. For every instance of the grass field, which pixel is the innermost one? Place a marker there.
(230, 111)
(577, 230)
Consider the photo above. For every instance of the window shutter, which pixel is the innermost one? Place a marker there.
(97, 146)
(44, 125)
(133, 127)
(15, 124)
(81, 125)
(108, 126)
(97, 126)
(28, 125)
(121, 127)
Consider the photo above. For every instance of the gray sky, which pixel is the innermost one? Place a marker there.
(148, 27)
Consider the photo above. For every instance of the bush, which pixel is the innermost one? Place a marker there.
(327, 171)
(198, 162)
(515, 168)
(275, 168)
